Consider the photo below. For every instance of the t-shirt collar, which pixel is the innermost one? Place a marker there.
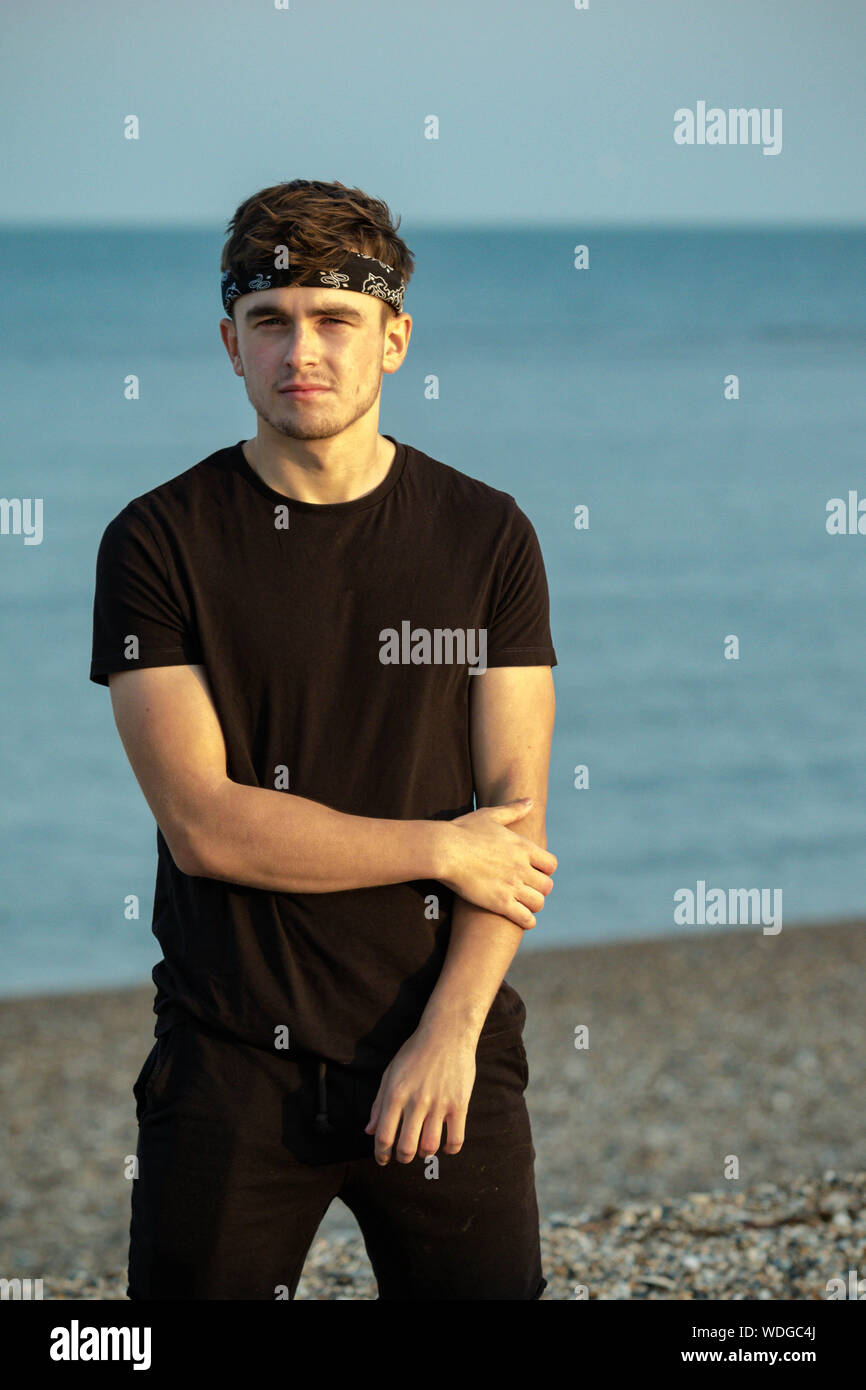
(391, 478)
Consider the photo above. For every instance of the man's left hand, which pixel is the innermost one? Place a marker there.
(427, 1084)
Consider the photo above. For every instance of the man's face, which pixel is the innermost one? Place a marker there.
(296, 336)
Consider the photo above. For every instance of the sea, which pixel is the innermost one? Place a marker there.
(679, 412)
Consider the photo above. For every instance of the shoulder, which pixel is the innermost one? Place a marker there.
(459, 493)
(177, 500)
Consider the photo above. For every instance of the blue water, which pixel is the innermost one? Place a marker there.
(604, 387)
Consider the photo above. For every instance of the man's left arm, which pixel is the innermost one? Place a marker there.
(511, 716)
(429, 1081)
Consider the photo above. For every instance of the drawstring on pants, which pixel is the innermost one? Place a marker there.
(323, 1124)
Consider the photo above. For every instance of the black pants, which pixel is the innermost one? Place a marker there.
(234, 1178)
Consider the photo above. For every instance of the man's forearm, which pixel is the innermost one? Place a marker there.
(480, 950)
(290, 844)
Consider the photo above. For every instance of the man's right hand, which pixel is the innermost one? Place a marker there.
(495, 867)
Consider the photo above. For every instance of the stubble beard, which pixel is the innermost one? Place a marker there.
(327, 418)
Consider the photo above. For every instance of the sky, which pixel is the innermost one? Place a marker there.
(546, 114)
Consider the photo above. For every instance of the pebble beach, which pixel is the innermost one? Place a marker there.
(707, 1140)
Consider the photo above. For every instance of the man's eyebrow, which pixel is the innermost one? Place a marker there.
(267, 310)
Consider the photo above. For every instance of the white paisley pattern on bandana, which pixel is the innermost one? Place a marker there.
(353, 274)
(374, 284)
(334, 278)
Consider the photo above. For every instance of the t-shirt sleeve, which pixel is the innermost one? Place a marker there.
(519, 630)
(139, 618)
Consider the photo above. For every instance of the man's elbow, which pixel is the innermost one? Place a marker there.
(186, 856)
(198, 841)
(192, 850)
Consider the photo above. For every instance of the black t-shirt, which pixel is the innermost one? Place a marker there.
(285, 603)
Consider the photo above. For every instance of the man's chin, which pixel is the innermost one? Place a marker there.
(306, 429)
(297, 422)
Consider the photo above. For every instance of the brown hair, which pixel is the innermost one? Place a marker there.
(318, 222)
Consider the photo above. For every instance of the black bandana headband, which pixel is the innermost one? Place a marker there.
(356, 272)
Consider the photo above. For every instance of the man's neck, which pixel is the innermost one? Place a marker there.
(316, 481)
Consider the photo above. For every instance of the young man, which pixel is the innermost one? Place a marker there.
(319, 644)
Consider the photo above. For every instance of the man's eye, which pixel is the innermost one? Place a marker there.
(276, 320)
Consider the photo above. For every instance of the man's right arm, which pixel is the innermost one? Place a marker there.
(217, 828)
